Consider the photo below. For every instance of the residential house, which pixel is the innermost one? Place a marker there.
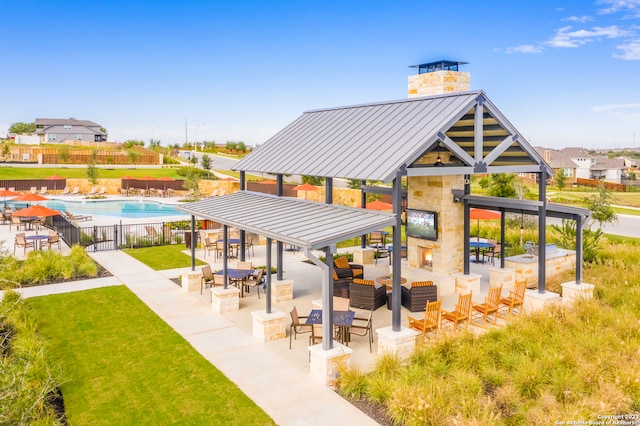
(55, 130)
(577, 163)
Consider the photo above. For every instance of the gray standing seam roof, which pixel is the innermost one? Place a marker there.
(371, 141)
(307, 224)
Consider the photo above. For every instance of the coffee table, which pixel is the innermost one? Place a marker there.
(388, 281)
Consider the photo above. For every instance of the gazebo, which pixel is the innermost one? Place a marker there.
(437, 142)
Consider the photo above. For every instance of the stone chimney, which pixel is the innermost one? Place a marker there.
(437, 78)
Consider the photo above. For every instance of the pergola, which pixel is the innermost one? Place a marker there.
(383, 141)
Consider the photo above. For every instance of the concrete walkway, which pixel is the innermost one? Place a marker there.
(284, 391)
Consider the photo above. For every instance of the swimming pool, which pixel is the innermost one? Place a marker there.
(121, 209)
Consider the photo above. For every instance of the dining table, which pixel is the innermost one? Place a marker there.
(37, 239)
(480, 246)
(341, 319)
(237, 277)
(233, 244)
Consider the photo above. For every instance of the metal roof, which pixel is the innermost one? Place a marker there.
(515, 205)
(306, 224)
(375, 141)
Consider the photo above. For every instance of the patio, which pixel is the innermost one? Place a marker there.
(307, 288)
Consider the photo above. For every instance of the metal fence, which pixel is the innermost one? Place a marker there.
(119, 236)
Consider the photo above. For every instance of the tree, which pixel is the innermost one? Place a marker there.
(154, 144)
(92, 171)
(313, 180)
(567, 239)
(192, 183)
(133, 142)
(22, 128)
(502, 185)
(520, 188)
(205, 162)
(133, 155)
(6, 152)
(240, 146)
(354, 183)
(600, 206)
(561, 179)
(231, 145)
(63, 154)
(106, 133)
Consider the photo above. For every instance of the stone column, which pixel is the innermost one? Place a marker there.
(572, 291)
(281, 291)
(268, 327)
(534, 301)
(401, 343)
(191, 281)
(225, 300)
(324, 366)
(466, 283)
(363, 256)
(506, 277)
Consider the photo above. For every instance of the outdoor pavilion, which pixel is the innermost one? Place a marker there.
(443, 136)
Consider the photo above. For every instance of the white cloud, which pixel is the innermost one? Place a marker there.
(626, 111)
(566, 38)
(630, 51)
(613, 6)
(527, 48)
(579, 19)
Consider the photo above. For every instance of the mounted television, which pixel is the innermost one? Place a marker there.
(422, 224)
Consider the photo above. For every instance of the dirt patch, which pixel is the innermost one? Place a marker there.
(373, 410)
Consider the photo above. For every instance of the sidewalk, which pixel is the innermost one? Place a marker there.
(284, 391)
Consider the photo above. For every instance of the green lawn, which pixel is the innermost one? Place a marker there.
(163, 257)
(122, 365)
(81, 173)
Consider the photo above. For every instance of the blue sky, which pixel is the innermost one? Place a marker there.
(565, 73)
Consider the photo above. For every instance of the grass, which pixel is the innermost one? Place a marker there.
(121, 364)
(566, 362)
(81, 173)
(163, 257)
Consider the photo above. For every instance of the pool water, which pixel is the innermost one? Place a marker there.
(120, 209)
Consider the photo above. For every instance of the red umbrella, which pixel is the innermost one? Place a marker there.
(484, 215)
(29, 197)
(54, 177)
(379, 205)
(305, 187)
(6, 193)
(36, 211)
(268, 182)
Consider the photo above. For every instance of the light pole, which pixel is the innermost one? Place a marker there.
(196, 141)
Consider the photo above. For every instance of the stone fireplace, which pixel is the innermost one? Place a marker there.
(426, 257)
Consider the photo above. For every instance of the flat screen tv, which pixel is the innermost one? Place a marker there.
(422, 224)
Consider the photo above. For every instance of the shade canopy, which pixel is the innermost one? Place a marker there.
(305, 187)
(54, 177)
(29, 197)
(7, 193)
(484, 214)
(379, 205)
(36, 211)
(166, 178)
(268, 182)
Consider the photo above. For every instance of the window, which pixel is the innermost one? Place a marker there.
(51, 137)
(79, 138)
(67, 126)
(568, 172)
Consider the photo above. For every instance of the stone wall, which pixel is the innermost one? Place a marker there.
(434, 193)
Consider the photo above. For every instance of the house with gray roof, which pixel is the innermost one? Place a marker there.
(56, 130)
(577, 163)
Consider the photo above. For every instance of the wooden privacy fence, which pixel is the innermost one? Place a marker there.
(611, 186)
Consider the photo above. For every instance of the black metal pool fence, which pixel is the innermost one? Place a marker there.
(120, 236)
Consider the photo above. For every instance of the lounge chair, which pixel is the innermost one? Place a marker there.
(102, 191)
(76, 217)
(43, 190)
(76, 190)
(66, 191)
(33, 190)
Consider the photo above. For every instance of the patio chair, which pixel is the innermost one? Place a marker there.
(493, 252)
(461, 312)
(211, 245)
(15, 221)
(254, 282)
(342, 263)
(363, 327)
(316, 336)
(151, 232)
(515, 300)
(53, 239)
(416, 297)
(38, 222)
(214, 193)
(22, 242)
(489, 307)
(209, 278)
(431, 321)
(249, 241)
(296, 326)
(364, 294)
(341, 285)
